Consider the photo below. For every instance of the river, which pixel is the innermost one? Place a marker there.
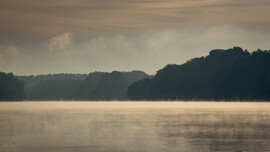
(134, 126)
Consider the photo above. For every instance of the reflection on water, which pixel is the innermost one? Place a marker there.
(67, 127)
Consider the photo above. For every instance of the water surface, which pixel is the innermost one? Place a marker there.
(134, 126)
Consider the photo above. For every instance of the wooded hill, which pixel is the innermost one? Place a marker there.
(233, 74)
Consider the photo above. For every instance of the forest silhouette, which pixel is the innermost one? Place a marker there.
(232, 74)
(94, 86)
(10, 87)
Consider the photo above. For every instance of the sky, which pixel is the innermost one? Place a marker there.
(82, 36)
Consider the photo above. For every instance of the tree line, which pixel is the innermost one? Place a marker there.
(94, 86)
(232, 74)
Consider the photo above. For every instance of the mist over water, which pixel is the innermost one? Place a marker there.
(134, 126)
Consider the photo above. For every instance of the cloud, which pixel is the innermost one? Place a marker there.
(146, 50)
(152, 50)
(30, 20)
(60, 42)
(9, 56)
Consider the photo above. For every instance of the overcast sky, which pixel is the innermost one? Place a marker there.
(82, 36)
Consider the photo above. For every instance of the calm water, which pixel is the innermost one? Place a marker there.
(130, 126)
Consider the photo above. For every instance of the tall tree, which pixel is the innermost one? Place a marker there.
(10, 87)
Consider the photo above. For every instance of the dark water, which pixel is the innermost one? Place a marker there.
(140, 127)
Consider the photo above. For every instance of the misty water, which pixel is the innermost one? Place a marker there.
(134, 126)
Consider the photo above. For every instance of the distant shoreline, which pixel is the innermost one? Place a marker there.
(126, 105)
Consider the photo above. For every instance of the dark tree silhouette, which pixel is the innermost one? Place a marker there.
(10, 88)
(232, 74)
(84, 91)
(94, 86)
(54, 90)
(111, 86)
